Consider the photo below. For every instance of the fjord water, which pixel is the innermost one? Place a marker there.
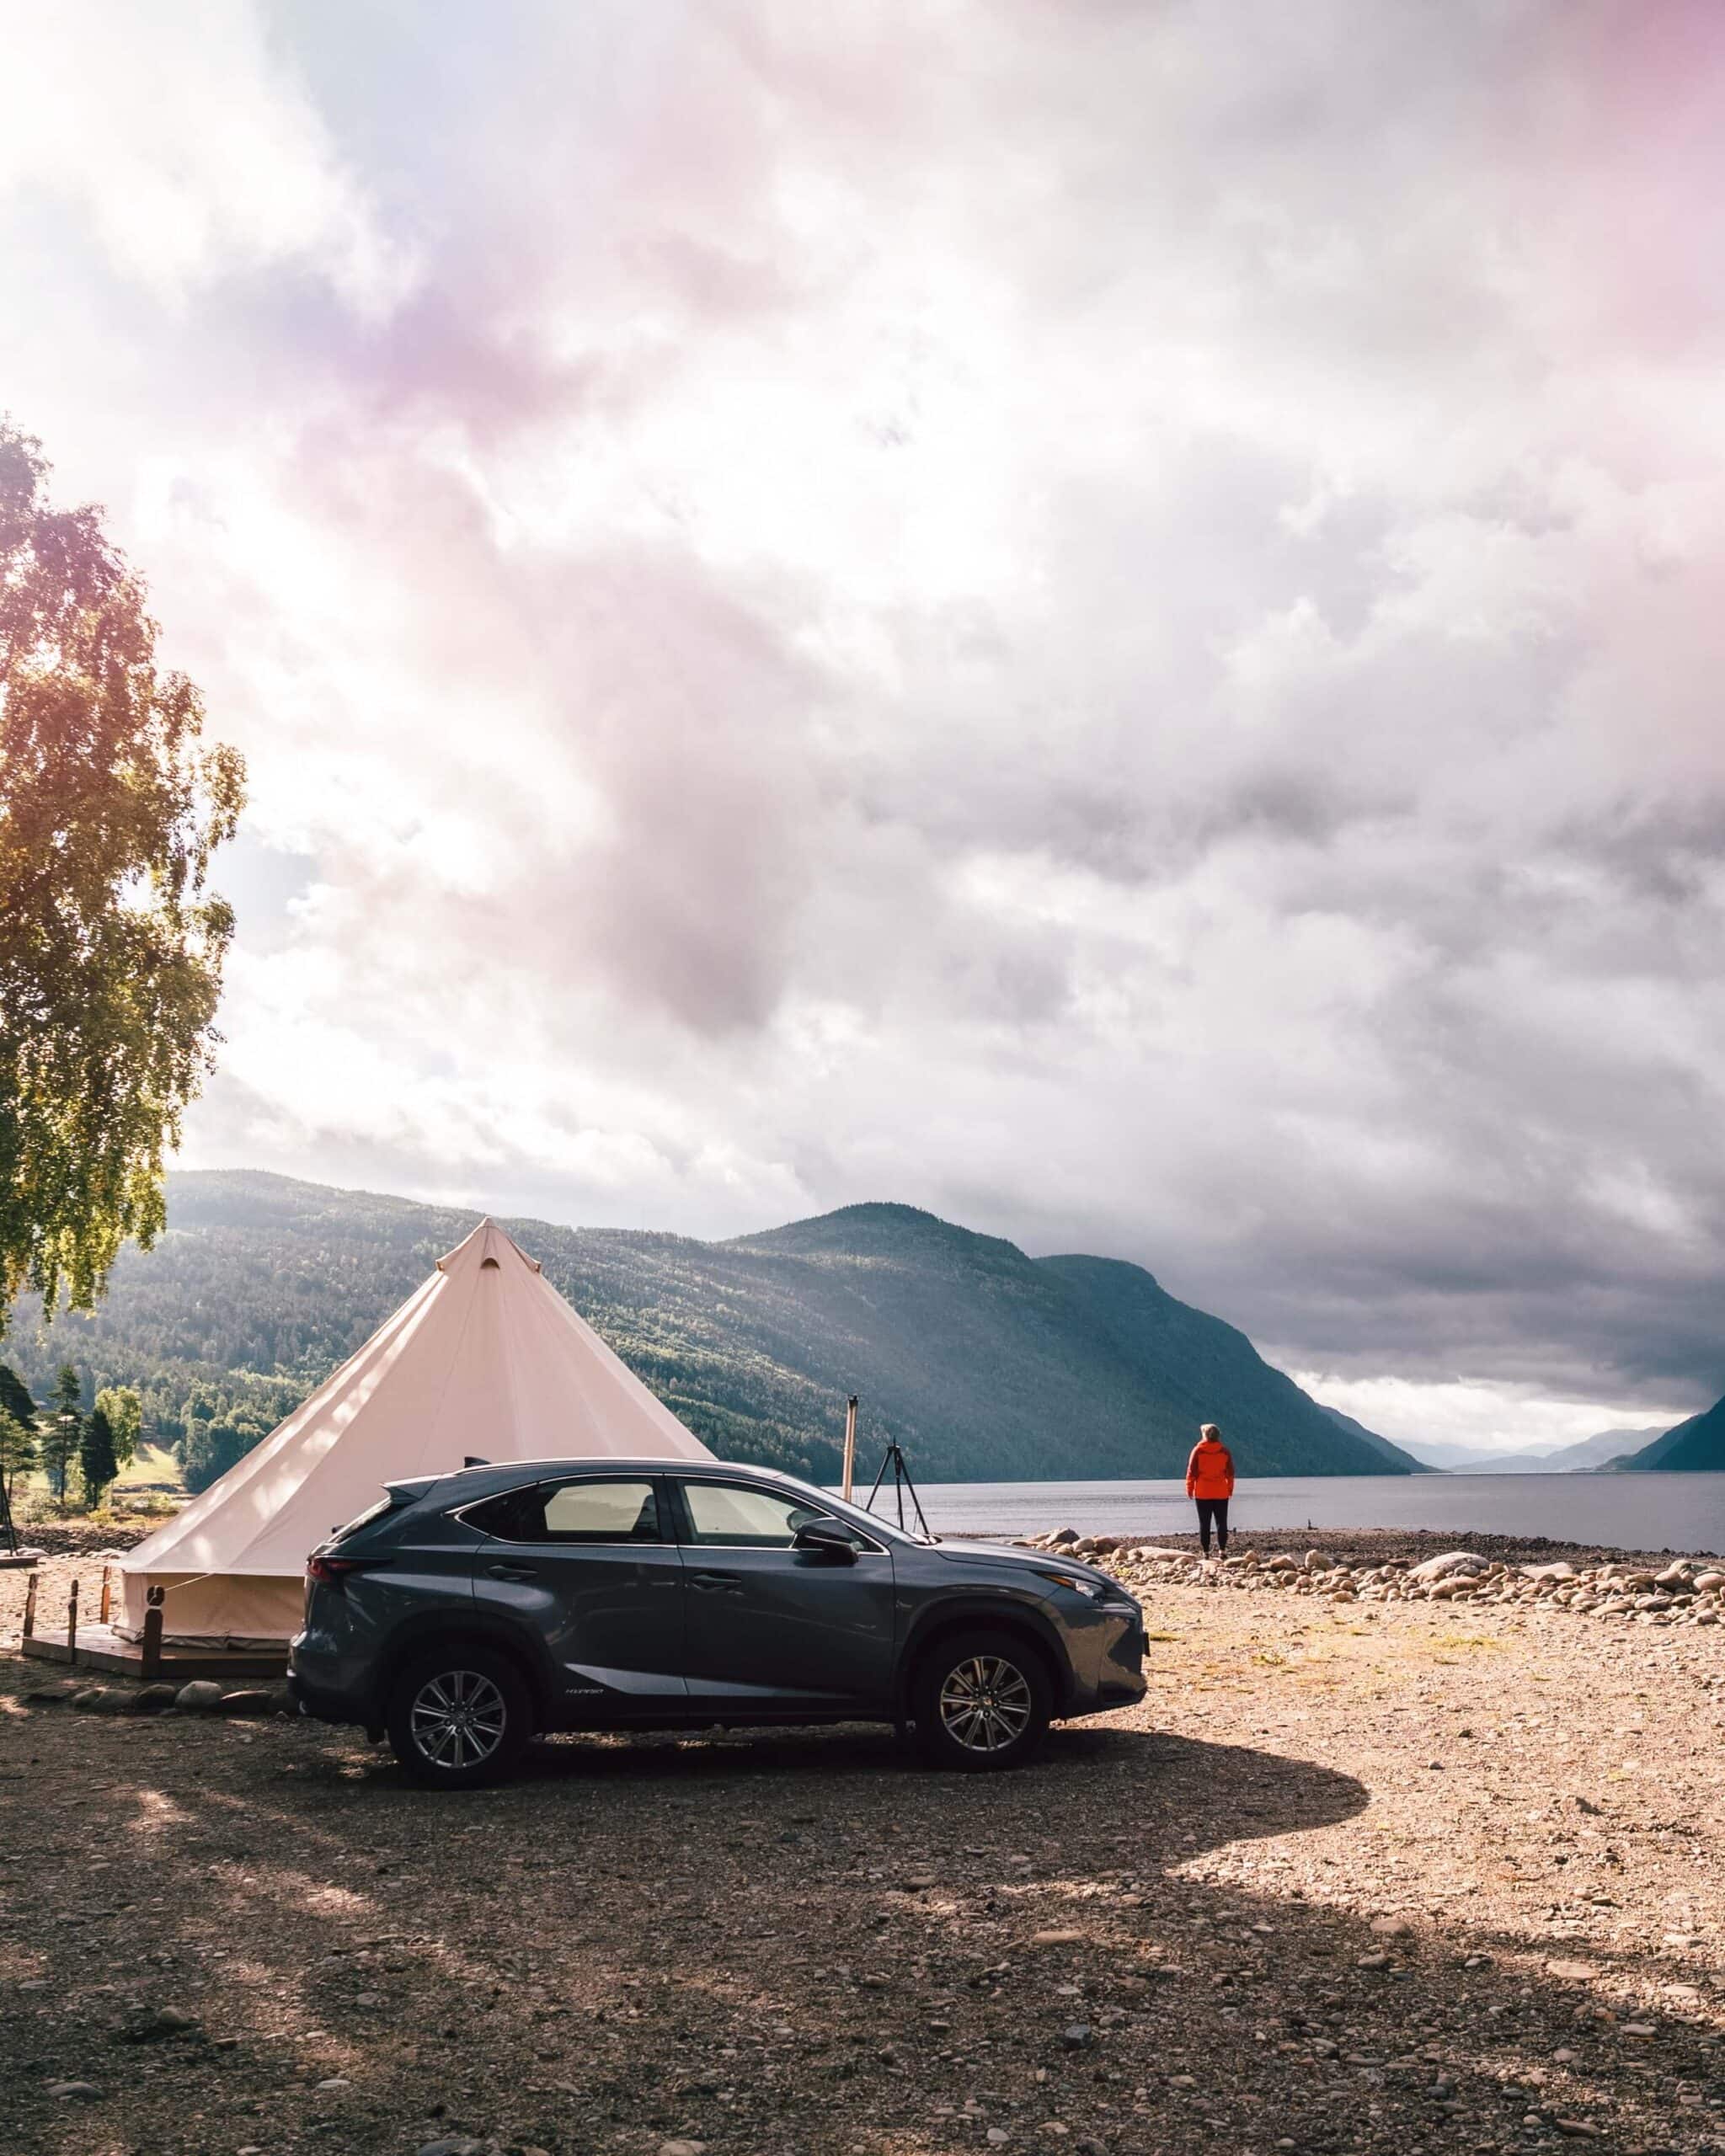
(1623, 1512)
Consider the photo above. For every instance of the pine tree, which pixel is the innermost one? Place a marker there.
(15, 1397)
(62, 1428)
(18, 1450)
(95, 1458)
(125, 1411)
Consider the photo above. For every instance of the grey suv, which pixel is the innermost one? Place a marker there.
(464, 1613)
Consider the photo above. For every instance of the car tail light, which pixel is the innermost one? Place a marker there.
(333, 1572)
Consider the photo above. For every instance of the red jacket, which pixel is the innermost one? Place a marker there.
(1209, 1472)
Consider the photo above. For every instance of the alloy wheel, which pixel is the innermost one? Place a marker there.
(985, 1704)
(458, 1719)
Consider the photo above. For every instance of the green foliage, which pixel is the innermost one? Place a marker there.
(14, 1397)
(984, 1363)
(17, 1448)
(96, 1463)
(124, 1411)
(211, 1450)
(110, 945)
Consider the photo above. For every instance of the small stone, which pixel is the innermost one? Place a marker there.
(682, 2148)
(1373, 1961)
(335, 2082)
(154, 2024)
(1057, 1939)
(1570, 1972)
(997, 2137)
(1638, 2029)
(453, 2144)
(86, 2091)
(1577, 2129)
(1391, 1926)
(200, 1697)
(1079, 2037)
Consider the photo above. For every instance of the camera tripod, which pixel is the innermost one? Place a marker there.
(903, 1488)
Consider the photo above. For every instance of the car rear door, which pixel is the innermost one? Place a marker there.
(589, 1563)
(774, 1629)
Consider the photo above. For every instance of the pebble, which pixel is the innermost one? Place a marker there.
(86, 2090)
(454, 2144)
(682, 2148)
(336, 2081)
(1079, 2037)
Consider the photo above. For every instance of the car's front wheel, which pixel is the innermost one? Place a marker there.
(459, 1717)
(982, 1700)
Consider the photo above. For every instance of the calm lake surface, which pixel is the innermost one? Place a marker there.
(1625, 1512)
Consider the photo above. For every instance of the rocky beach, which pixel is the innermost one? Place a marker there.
(1394, 1857)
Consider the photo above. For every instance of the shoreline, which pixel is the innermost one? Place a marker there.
(1378, 1545)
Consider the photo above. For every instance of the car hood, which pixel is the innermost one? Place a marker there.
(994, 1554)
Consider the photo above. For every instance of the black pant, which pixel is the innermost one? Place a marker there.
(1212, 1509)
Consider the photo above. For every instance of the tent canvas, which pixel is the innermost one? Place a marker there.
(485, 1361)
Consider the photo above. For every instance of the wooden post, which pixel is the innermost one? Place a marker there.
(152, 1632)
(72, 1624)
(850, 1446)
(29, 1607)
(107, 1591)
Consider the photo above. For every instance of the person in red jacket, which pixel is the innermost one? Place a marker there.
(1209, 1478)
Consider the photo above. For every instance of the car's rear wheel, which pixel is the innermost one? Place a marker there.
(459, 1717)
(982, 1701)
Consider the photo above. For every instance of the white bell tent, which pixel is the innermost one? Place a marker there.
(484, 1361)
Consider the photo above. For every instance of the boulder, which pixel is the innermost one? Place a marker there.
(1061, 1535)
(200, 1697)
(249, 1701)
(1440, 1568)
(151, 1698)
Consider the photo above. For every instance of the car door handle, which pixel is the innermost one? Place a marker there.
(513, 1571)
(713, 1582)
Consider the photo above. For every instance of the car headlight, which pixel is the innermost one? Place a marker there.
(1103, 1593)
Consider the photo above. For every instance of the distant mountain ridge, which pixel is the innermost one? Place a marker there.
(984, 1363)
(1586, 1456)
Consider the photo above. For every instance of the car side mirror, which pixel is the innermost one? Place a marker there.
(826, 1538)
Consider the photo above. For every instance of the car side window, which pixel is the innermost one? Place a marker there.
(732, 1513)
(621, 1511)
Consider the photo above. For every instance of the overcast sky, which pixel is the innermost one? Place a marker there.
(1107, 618)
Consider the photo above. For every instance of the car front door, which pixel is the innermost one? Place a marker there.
(589, 1563)
(776, 1628)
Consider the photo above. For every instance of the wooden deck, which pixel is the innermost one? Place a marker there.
(100, 1647)
(97, 1645)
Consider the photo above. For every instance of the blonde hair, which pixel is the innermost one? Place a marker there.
(1209, 1430)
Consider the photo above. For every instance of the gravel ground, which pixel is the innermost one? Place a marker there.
(1415, 1878)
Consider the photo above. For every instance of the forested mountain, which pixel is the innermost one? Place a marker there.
(1696, 1446)
(983, 1361)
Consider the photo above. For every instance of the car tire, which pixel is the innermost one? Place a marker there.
(982, 1701)
(459, 1717)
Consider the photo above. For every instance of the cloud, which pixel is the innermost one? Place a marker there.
(1093, 622)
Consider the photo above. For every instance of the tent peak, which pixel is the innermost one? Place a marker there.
(486, 1248)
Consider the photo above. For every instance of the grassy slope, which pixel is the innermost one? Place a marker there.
(984, 1362)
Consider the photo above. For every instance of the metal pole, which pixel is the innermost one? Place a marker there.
(850, 1446)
